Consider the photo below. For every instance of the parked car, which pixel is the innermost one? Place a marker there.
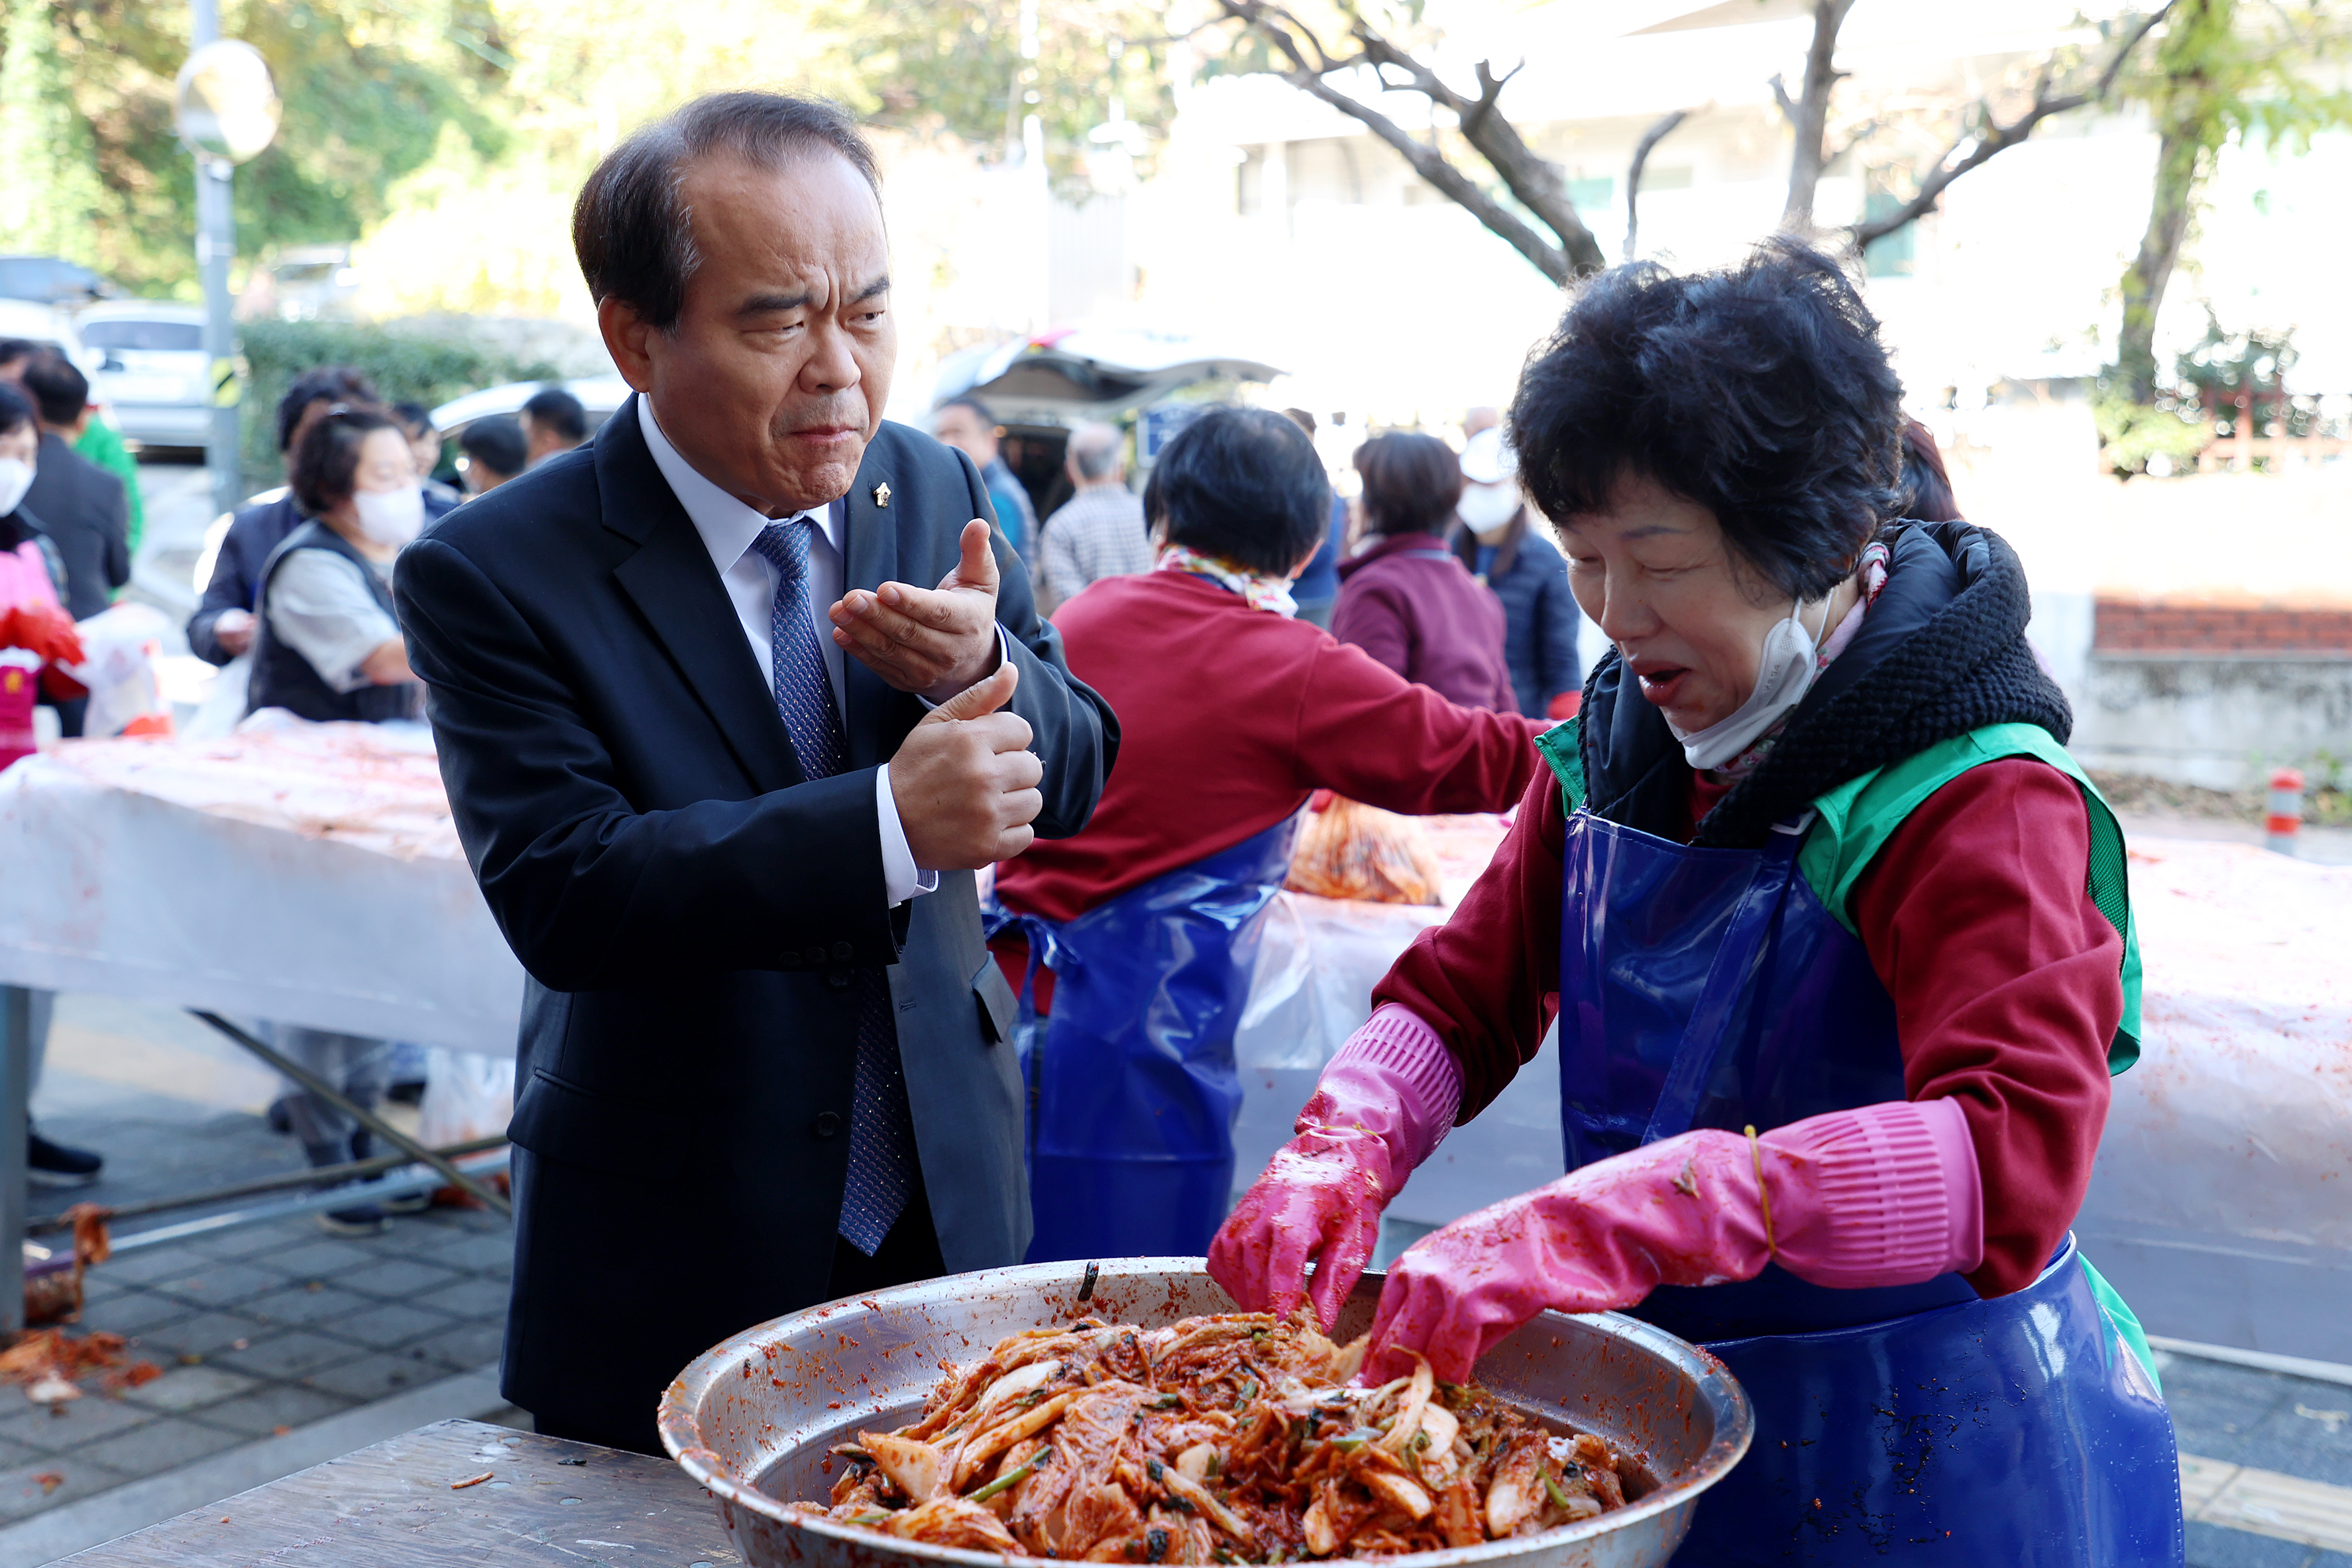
(52, 280)
(153, 370)
(51, 328)
(599, 394)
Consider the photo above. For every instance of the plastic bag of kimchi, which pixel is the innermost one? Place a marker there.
(1350, 850)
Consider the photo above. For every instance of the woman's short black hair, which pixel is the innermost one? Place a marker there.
(630, 226)
(1411, 483)
(1243, 485)
(328, 383)
(15, 409)
(327, 464)
(1760, 392)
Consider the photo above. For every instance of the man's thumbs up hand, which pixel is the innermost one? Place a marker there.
(965, 782)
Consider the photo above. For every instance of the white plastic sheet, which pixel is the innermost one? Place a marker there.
(2221, 1206)
(1317, 962)
(308, 873)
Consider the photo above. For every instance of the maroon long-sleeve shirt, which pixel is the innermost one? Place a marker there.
(1410, 603)
(1229, 719)
(2006, 982)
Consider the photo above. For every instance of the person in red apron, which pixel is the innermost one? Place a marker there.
(1840, 945)
(1137, 937)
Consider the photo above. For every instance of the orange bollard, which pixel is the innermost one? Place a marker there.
(2286, 818)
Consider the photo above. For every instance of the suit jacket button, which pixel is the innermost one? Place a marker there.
(828, 1124)
(788, 959)
(813, 956)
(842, 952)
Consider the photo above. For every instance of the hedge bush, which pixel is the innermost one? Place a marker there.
(405, 366)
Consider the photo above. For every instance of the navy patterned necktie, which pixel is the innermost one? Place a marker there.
(881, 1123)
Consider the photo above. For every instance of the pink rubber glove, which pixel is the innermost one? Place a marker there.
(1382, 1104)
(1886, 1194)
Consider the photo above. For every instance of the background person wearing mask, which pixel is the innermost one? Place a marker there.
(99, 441)
(1500, 544)
(1317, 587)
(490, 452)
(1098, 532)
(83, 509)
(553, 422)
(30, 573)
(966, 424)
(1152, 905)
(328, 649)
(222, 628)
(1406, 599)
(328, 646)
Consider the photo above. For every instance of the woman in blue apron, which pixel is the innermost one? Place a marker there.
(1137, 937)
(1839, 941)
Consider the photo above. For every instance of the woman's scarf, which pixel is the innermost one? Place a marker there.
(1271, 593)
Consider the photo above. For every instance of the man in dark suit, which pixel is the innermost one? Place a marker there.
(680, 680)
(83, 509)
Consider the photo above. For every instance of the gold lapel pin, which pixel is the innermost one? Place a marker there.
(882, 494)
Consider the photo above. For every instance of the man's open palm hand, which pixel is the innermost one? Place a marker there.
(934, 642)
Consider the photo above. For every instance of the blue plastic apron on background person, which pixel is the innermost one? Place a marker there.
(1709, 987)
(1133, 1084)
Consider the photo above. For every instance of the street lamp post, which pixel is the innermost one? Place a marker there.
(226, 110)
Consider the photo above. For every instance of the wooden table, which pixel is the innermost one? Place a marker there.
(392, 1506)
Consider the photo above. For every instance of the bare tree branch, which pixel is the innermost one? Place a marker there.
(1781, 96)
(1997, 137)
(1809, 116)
(1650, 139)
(1310, 64)
(1533, 181)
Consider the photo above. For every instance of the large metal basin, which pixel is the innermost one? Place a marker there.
(751, 1419)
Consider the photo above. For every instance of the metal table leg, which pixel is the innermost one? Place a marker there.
(328, 1092)
(16, 1090)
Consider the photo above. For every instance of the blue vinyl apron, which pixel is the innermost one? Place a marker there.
(1710, 987)
(1132, 1085)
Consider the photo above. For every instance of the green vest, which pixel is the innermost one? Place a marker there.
(1853, 823)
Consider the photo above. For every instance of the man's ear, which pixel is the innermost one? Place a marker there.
(625, 334)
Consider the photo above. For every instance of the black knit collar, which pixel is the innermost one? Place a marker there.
(1941, 652)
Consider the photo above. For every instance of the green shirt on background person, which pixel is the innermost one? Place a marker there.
(102, 445)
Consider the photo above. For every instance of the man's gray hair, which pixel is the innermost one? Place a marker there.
(631, 226)
(1095, 450)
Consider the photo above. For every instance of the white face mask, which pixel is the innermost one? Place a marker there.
(1784, 673)
(1485, 507)
(15, 478)
(390, 517)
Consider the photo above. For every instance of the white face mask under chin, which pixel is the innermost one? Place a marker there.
(15, 478)
(390, 517)
(1784, 673)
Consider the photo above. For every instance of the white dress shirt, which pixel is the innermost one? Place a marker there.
(728, 528)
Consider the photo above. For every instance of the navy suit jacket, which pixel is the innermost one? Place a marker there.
(689, 908)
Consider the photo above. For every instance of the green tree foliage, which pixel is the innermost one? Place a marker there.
(91, 166)
(405, 366)
(977, 69)
(2225, 70)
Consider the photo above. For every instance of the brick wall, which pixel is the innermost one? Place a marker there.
(2189, 627)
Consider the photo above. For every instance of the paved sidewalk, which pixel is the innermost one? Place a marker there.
(259, 1332)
